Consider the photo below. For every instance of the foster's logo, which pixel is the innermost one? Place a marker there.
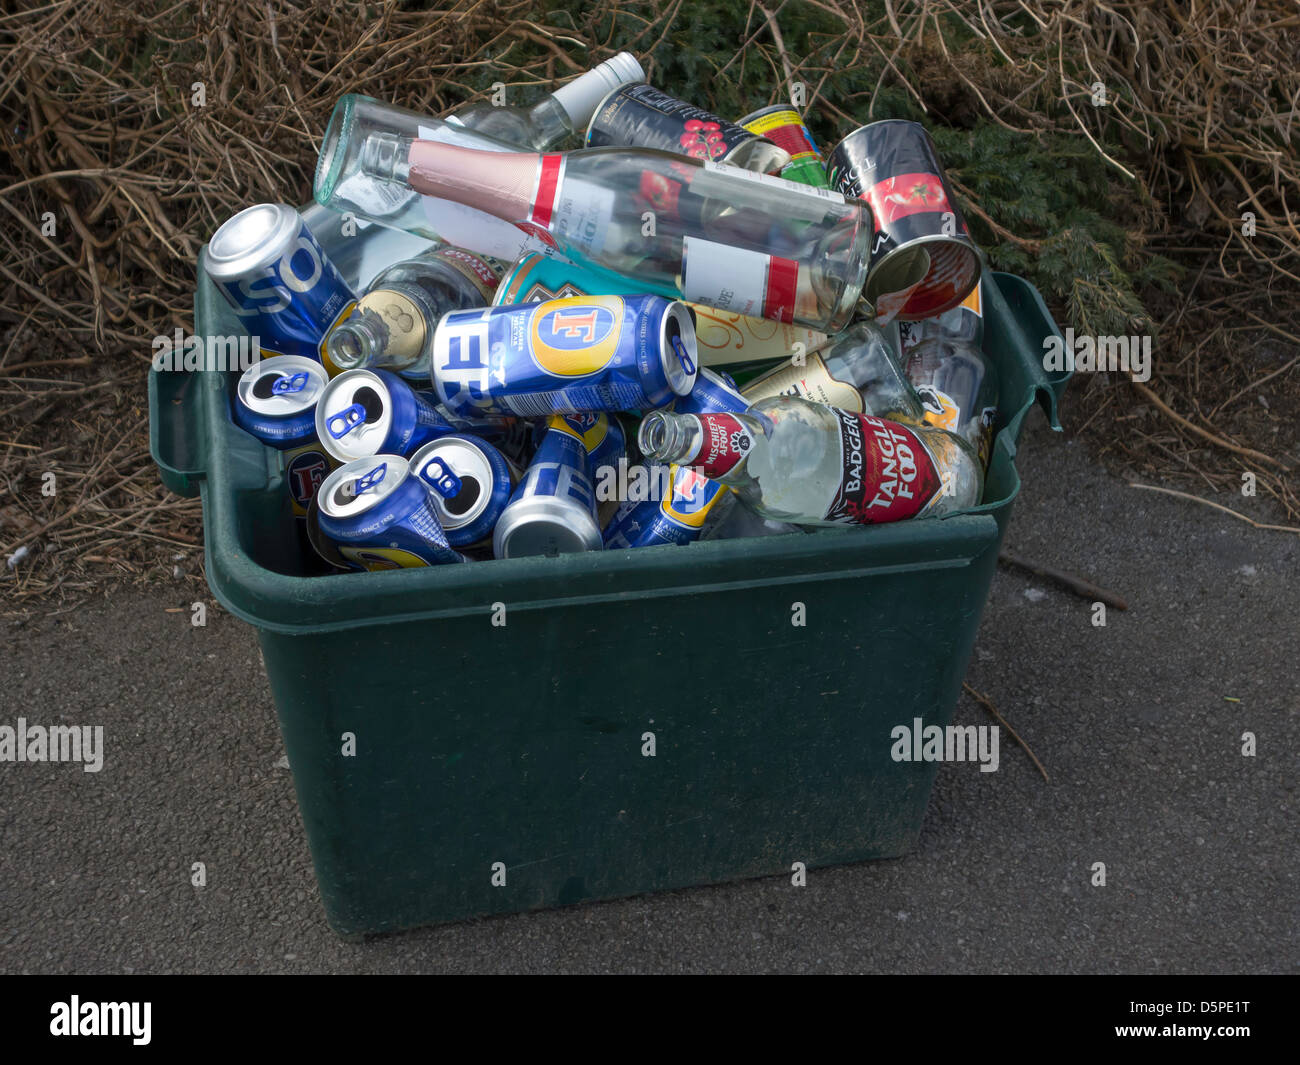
(576, 336)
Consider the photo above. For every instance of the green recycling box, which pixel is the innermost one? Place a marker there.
(503, 713)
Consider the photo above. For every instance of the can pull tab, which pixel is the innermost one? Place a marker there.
(688, 364)
(371, 479)
(445, 483)
(284, 386)
(342, 423)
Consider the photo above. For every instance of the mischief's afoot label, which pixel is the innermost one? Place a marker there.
(725, 442)
(888, 473)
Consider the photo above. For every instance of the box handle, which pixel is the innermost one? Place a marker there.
(1032, 323)
(175, 429)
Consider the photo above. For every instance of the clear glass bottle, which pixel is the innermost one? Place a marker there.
(556, 116)
(393, 325)
(958, 384)
(705, 232)
(789, 459)
(856, 371)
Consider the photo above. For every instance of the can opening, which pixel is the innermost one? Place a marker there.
(371, 402)
(262, 387)
(464, 500)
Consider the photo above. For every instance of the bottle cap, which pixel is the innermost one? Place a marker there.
(580, 97)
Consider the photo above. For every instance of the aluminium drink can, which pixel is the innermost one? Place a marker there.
(592, 353)
(553, 511)
(279, 281)
(374, 412)
(276, 401)
(380, 517)
(470, 483)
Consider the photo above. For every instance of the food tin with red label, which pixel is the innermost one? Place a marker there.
(923, 261)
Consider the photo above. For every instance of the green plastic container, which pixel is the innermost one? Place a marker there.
(522, 744)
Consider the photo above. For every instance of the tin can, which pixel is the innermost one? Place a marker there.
(785, 127)
(597, 353)
(381, 517)
(470, 484)
(553, 511)
(373, 412)
(923, 260)
(714, 392)
(279, 281)
(641, 116)
(325, 548)
(721, 337)
(678, 518)
(276, 402)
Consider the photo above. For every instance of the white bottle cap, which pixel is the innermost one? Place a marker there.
(581, 96)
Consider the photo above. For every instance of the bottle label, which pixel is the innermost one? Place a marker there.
(739, 280)
(887, 474)
(726, 442)
(812, 381)
(481, 272)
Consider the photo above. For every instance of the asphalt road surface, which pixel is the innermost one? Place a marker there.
(1140, 725)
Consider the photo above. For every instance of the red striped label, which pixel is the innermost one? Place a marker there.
(779, 292)
(548, 184)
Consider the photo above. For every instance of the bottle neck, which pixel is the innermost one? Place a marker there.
(670, 438)
(549, 122)
(386, 157)
(359, 341)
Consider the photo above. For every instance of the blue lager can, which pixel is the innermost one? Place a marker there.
(379, 516)
(374, 412)
(600, 434)
(553, 511)
(680, 516)
(275, 401)
(471, 482)
(591, 353)
(714, 393)
(279, 281)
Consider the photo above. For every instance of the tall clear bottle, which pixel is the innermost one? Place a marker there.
(857, 371)
(556, 116)
(705, 232)
(789, 459)
(393, 325)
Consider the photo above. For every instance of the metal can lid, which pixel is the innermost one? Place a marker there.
(282, 386)
(545, 525)
(678, 349)
(358, 486)
(354, 415)
(470, 465)
(255, 237)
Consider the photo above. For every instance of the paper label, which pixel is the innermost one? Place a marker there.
(812, 381)
(887, 475)
(726, 442)
(737, 279)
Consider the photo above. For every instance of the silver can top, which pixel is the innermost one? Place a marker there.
(678, 349)
(282, 386)
(354, 389)
(254, 238)
(359, 486)
(545, 525)
(471, 466)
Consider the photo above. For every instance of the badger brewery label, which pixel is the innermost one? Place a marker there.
(888, 474)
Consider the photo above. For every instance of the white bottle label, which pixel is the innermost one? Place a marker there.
(739, 280)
